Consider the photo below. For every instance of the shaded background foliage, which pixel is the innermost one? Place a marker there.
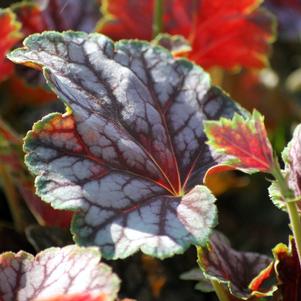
(246, 215)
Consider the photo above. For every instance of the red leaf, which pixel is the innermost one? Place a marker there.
(231, 34)
(244, 141)
(222, 33)
(10, 35)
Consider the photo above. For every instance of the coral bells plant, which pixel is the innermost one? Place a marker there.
(127, 162)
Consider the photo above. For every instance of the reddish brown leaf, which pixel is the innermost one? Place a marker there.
(288, 271)
(235, 270)
(244, 141)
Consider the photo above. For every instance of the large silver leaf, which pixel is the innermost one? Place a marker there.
(128, 157)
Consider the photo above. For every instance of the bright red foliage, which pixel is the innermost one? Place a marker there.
(10, 35)
(244, 141)
(222, 33)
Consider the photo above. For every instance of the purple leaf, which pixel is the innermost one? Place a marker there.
(40, 15)
(292, 157)
(55, 272)
(288, 14)
(234, 269)
(130, 154)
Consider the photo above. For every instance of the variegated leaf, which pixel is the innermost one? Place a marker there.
(291, 156)
(234, 269)
(244, 141)
(56, 274)
(130, 154)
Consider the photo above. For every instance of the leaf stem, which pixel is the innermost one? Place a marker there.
(12, 199)
(292, 208)
(220, 291)
(158, 17)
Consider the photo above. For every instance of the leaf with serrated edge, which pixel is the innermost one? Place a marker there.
(243, 140)
(291, 156)
(227, 266)
(55, 273)
(130, 154)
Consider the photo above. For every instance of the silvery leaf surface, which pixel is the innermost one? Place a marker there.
(130, 154)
